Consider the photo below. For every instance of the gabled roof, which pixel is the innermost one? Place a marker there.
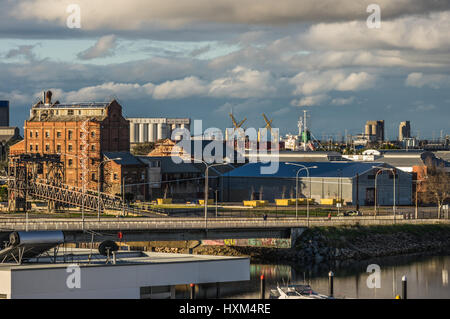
(126, 158)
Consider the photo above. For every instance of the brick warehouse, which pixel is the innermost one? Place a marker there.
(55, 128)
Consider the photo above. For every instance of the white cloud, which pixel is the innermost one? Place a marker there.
(311, 83)
(411, 32)
(242, 82)
(136, 14)
(436, 81)
(310, 100)
(190, 86)
(102, 48)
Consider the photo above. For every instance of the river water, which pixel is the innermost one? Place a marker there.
(427, 277)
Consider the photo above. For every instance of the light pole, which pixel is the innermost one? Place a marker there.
(98, 184)
(206, 183)
(339, 190)
(380, 169)
(302, 167)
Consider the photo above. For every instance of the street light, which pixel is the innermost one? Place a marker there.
(303, 167)
(98, 184)
(206, 182)
(380, 169)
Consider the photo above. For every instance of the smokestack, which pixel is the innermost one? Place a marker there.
(48, 97)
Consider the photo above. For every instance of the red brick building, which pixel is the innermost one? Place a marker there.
(76, 131)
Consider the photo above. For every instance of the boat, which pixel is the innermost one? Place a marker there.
(296, 292)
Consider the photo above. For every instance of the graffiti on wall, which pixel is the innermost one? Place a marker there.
(253, 242)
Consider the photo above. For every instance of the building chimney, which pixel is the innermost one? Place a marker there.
(48, 97)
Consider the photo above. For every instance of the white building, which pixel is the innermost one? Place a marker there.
(143, 129)
(134, 275)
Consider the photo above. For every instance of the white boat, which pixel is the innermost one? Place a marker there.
(296, 292)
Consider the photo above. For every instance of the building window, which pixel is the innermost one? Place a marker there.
(37, 134)
(115, 176)
(47, 148)
(93, 148)
(70, 148)
(37, 148)
(58, 148)
(93, 176)
(58, 134)
(31, 147)
(92, 134)
(31, 134)
(70, 112)
(70, 162)
(47, 134)
(69, 135)
(79, 112)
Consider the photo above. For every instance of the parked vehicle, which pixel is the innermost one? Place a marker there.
(350, 213)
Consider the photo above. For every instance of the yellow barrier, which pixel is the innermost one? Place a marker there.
(162, 201)
(285, 202)
(330, 201)
(255, 203)
(202, 201)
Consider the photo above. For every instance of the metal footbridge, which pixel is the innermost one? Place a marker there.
(74, 196)
(41, 177)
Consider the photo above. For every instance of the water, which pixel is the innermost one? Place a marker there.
(427, 278)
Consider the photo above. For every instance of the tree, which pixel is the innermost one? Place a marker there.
(436, 185)
(142, 148)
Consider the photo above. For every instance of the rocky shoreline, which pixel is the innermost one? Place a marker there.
(340, 245)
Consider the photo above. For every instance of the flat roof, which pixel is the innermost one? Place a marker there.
(324, 169)
(80, 256)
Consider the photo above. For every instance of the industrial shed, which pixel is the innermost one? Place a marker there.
(350, 181)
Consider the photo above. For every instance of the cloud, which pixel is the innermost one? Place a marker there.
(243, 82)
(311, 100)
(411, 32)
(102, 48)
(177, 89)
(311, 83)
(435, 81)
(25, 51)
(200, 51)
(424, 107)
(138, 14)
(343, 101)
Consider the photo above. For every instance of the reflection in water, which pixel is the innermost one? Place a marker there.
(427, 278)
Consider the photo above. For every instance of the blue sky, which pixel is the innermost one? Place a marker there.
(202, 59)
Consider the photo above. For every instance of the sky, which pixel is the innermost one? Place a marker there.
(204, 59)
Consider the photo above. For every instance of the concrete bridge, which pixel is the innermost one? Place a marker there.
(174, 229)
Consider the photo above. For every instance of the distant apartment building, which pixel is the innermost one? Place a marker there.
(404, 131)
(144, 129)
(4, 113)
(375, 129)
